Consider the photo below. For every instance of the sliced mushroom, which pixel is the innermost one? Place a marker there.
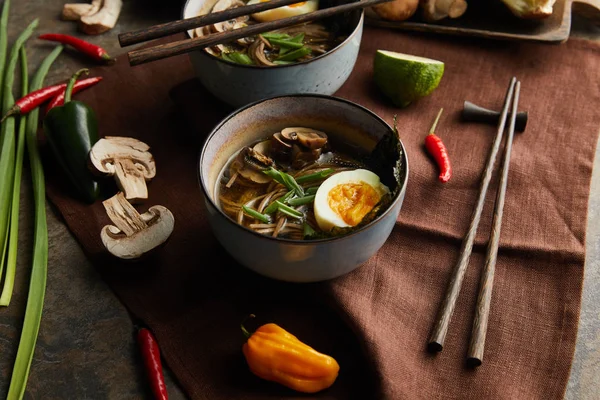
(280, 148)
(250, 164)
(307, 137)
(263, 148)
(243, 41)
(204, 31)
(102, 21)
(74, 11)
(289, 134)
(134, 234)
(302, 157)
(128, 160)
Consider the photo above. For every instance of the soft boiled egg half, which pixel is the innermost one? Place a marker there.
(345, 198)
(292, 10)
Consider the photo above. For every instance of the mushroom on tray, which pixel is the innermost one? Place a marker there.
(129, 160)
(134, 234)
(397, 10)
(435, 10)
(530, 9)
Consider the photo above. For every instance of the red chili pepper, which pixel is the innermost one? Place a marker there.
(151, 355)
(95, 52)
(35, 99)
(437, 150)
(59, 99)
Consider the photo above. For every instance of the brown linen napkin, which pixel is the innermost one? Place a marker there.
(376, 320)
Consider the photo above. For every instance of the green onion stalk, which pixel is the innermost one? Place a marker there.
(37, 283)
(7, 138)
(13, 236)
(3, 40)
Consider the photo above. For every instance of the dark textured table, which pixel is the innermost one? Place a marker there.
(86, 347)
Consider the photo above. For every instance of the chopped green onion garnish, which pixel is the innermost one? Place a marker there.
(308, 230)
(298, 38)
(311, 190)
(286, 43)
(282, 62)
(289, 211)
(255, 214)
(241, 58)
(296, 54)
(283, 50)
(271, 208)
(285, 179)
(299, 201)
(273, 35)
(316, 176)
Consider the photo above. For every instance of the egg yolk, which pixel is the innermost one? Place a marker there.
(352, 201)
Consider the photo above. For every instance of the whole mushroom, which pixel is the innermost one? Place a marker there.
(435, 10)
(397, 10)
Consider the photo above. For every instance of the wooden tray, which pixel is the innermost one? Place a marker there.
(492, 19)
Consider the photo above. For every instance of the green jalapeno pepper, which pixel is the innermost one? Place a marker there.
(72, 130)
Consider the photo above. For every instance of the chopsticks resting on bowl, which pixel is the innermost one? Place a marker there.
(182, 25)
(438, 335)
(162, 51)
(482, 310)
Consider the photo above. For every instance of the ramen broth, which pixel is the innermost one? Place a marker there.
(296, 185)
(281, 47)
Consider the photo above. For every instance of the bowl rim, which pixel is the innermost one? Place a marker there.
(302, 242)
(339, 46)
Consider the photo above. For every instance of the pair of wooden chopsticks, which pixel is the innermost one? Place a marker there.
(137, 57)
(480, 322)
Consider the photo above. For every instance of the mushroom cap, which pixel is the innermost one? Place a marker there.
(397, 10)
(160, 226)
(111, 148)
(307, 137)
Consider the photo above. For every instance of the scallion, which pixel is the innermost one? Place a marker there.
(282, 208)
(271, 208)
(299, 38)
(308, 230)
(300, 201)
(37, 282)
(296, 54)
(3, 41)
(286, 180)
(241, 58)
(316, 176)
(273, 35)
(255, 214)
(278, 62)
(312, 190)
(13, 235)
(286, 43)
(7, 140)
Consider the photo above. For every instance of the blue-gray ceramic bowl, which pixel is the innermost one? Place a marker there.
(285, 259)
(238, 85)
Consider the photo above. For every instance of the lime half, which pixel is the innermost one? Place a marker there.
(405, 78)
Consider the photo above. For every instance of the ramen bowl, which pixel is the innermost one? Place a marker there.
(238, 84)
(287, 259)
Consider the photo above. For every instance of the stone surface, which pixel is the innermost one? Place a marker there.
(86, 348)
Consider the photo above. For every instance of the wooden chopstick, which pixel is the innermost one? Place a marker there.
(480, 322)
(182, 25)
(438, 335)
(159, 52)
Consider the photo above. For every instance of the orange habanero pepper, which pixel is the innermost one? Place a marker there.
(275, 355)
